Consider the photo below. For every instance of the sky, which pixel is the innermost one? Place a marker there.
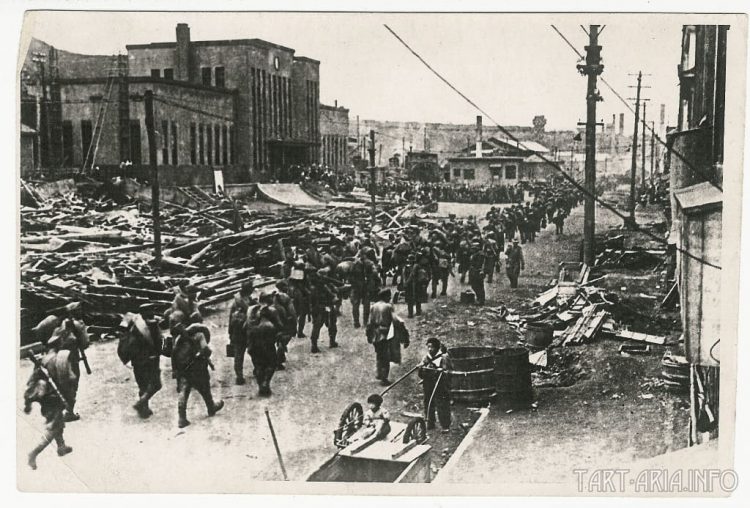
(514, 66)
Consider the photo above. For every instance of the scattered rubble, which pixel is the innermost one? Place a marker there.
(91, 249)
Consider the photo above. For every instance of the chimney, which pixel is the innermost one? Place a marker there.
(622, 123)
(479, 136)
(662, 117)
(182, 53)
(335, 103)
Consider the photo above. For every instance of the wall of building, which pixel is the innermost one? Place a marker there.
(83, 100)
(306, 104)
(334, 130)
(507, 173)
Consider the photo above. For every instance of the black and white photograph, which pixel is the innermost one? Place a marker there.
(356, 252)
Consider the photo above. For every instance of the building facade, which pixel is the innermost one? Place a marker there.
(500, 162)
(695, 164)
(247, 104)
(334, 133)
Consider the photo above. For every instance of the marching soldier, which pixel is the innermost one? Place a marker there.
(49, 379)
(476, 272)
(140, 345)
(300, 293)
(514, 263)
(364, 278)
(441, 269)
(263, 327)
(190, 363)
(323, 298)
(243, 300)
(285, 307)
(71, 336)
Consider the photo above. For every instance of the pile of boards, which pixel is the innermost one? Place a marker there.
(98, 252)
(632, 249)
(577, 311)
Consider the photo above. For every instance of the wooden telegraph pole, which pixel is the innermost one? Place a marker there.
(643, 148)
(148, 97)
(634, 154)
(372, 177)
(592, 68)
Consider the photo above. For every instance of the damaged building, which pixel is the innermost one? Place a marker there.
(248, 106)
(696, 175)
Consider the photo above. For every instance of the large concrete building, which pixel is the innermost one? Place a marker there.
(247, 105)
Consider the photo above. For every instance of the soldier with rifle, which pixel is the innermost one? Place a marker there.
(48, 381)
(190, 363)
(140, 345)
(70, 336)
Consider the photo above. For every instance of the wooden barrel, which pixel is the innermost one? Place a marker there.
(472, 376)
(512, 378)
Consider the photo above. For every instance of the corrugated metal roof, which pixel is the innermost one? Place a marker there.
(698, 195)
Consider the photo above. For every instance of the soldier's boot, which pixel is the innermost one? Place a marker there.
(62, 448)
(410, 306)
(216, 408)
(332, 341)
(419, 309)
(314, 344)
(301, 328)
(142, 406)
(182, 420)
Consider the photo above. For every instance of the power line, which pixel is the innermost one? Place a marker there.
(671, 150)
(554, 165)
(192, 109)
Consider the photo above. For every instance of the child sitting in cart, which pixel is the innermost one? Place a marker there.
(376, 422)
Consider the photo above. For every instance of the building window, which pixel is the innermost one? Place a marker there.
(209, 144)
(174, 144)
(217, 144)
(67, 139)
(193, 143)
(232, 142)
(86, 138)
(224, 142)
(690, 52)
(164, 142)
(206, 76)
(510, 172)
(135, 142)
(469, 174)
(456, 172)
(219, 77)
(155, 73)
(201, 153)
(169, 73)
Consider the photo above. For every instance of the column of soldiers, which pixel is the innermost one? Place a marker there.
(313, 282)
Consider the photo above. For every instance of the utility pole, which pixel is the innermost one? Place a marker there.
(643, 148)
(403, 152)
(372, 177)
(592, 68)
(634, 154)
(148, 97)
(39, 59)
(653, 153)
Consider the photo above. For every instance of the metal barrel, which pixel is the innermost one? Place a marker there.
(472, 376)
(512, 378)
(539, 335)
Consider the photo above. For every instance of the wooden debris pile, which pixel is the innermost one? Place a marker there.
(577, 311)
(630, 249)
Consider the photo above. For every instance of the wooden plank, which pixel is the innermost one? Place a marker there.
(641, 337)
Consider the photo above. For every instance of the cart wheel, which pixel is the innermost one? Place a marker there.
(416, 430)
(349, 423)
